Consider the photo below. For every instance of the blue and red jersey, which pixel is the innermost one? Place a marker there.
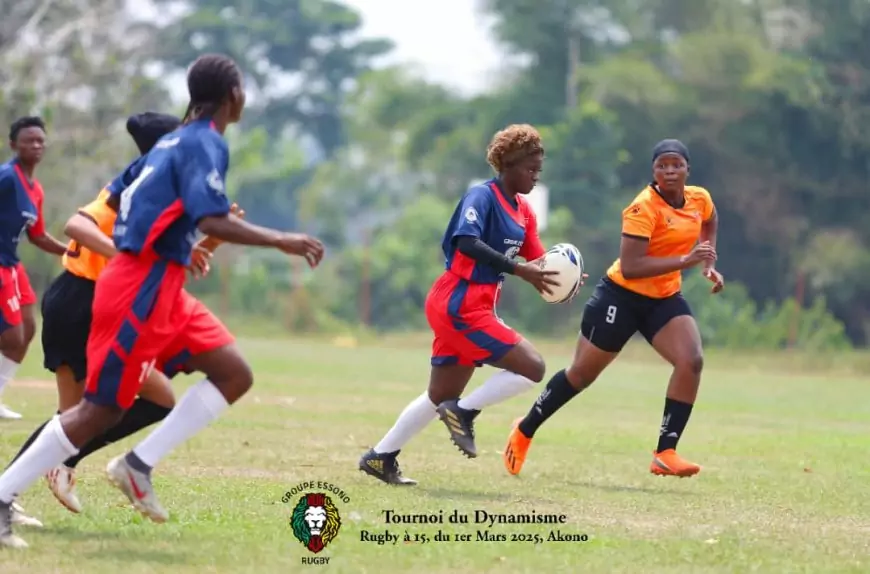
(507, 226)
(180, 181)
(20, 211)
(126, 177)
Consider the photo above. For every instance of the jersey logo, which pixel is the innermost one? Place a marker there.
(30, 221)
(215, 182)
(512, 252)
(163, 144)
(471, 215)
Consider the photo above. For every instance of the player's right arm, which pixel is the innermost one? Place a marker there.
(84, 230)
(467, 238)
(209, 243)
(474, 213)
(203, 183)
(638, 223)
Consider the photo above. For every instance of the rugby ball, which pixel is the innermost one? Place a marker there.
(566, 259)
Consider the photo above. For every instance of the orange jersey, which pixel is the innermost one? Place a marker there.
(671, 232)
(81, 261)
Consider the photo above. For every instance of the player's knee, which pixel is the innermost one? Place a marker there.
(580, 376)
(532, 367)
(235, 381)
(692, 362)
(537, 368)
(13, 343)
(88, 420)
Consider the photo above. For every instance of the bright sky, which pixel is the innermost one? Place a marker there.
(447, 40)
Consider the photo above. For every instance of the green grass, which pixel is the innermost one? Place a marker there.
(784, 485)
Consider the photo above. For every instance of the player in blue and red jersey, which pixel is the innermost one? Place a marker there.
(491, 226)
(21, 198)
(141, 313)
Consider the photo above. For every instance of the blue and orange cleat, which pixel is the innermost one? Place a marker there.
(669, 463)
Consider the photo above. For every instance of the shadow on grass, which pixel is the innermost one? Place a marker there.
(633, 489)
(120, 549)
(452, 494)
(144, 555)
(78, 534)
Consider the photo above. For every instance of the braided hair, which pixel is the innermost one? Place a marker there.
(210, 82)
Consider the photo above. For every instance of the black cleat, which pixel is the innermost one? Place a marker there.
(460, 423)
(384, 467)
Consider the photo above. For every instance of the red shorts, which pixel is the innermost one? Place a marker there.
(201, 333)
(467, 330)
(15, 293)
(142, 316)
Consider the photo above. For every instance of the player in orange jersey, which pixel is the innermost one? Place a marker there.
(668, 227)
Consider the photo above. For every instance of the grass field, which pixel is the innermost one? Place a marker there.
(784, 486)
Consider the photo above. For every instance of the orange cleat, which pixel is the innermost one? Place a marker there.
(669, 463)
(514, 454)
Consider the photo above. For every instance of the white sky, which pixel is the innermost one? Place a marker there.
(447, 40)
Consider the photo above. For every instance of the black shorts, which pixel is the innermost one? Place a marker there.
(614, 314)
(66, 323)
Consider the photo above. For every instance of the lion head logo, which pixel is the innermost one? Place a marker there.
(315, 521)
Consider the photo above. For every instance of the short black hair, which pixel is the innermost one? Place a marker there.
(148, 127)
(210, 81)
(23, 123)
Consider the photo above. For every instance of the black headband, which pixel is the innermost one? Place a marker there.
(671, 146)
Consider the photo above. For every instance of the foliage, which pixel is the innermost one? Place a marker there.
(731, 319)
(770, 96)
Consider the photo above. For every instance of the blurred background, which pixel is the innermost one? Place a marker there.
(368, 119)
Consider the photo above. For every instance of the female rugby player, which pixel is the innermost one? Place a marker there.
(492, 224)
(66, 319)
(21, 210)
(141, 312)
(668, 227)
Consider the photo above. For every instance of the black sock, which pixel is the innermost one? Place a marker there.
(29, 441)
(558, 392)
(143, 413)
(137, 463)
(673, 423)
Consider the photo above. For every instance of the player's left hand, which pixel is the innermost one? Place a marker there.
(716, 278)
(199, 261)
(540, 263)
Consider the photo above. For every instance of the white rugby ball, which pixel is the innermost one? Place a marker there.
(566, 259)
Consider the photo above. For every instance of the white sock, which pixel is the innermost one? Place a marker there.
(499, 387)
(50, 448)
(200, 405)
(413, 419)
(8, 368)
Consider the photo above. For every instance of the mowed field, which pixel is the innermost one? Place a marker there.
(784, 486)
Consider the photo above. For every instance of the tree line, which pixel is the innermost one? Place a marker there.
(770, 96)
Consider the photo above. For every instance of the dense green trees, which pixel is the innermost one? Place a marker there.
(772, 97)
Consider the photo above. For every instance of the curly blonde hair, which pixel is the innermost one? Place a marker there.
(511, 144)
